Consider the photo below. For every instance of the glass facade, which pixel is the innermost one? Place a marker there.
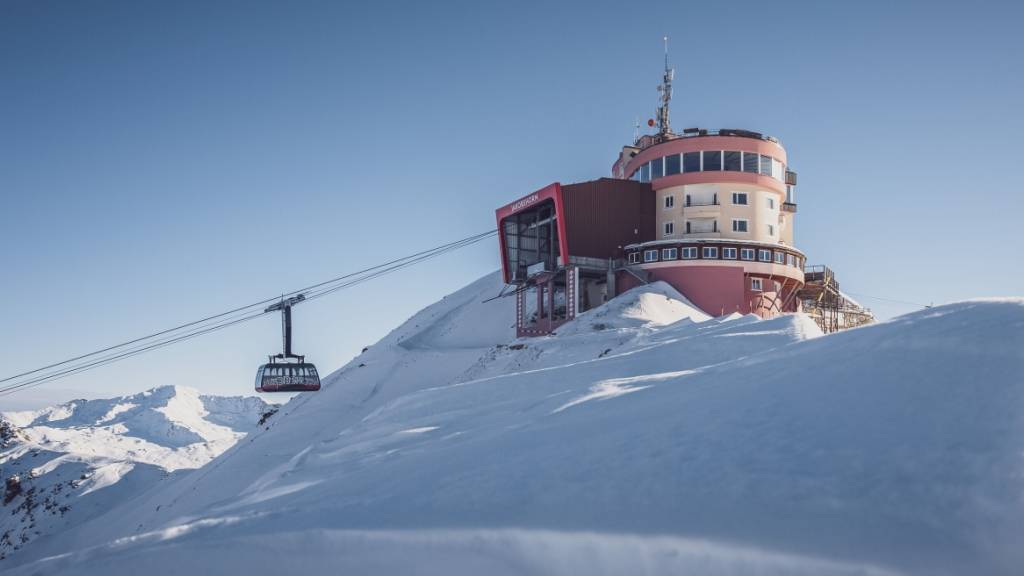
(727, 252)
(711, 161)
(750, 162)
(691, 162)
(732, 161)
(671, 164)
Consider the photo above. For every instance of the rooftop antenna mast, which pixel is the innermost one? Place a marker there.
(666, 95)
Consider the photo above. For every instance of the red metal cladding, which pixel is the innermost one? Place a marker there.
(604, 215)
(595, 219)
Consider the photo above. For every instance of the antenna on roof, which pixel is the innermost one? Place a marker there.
(636, 129)
(666, 95)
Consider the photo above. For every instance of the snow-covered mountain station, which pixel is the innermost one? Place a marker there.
(711, 213)
(297, 288)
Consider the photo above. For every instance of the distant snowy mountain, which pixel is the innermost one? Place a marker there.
(65, 464)
(642, 438)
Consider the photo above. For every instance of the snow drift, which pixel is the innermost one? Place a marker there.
(643, 438)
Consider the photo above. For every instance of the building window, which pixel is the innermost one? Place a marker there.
(729, 253)
(689, 200)
(645, 173)
(670, 228)
(755, 284)
(691, 162)
(650, 255)
(710, 252)
(780, 257)
(689, 253)
(671, 164)
(771, 230)
(777, 172)
(764, 255)
(737, 198)
(668, 254)
(634, 257)
(746, 253)
(771, 203)
(739, 225)
(657, 168)
(713, 160)
(688, 227)
(750, 162)
(670, 201)
(733, 161)
(790, 260)
(766, 165)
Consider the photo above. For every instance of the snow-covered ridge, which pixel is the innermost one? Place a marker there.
(644, 437)
(64, 463)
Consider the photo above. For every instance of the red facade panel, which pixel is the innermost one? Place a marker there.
(602, 216)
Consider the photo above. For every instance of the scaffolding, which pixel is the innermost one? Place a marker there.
(822, 300)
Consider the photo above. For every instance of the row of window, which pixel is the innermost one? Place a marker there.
(738, 198)
(740, 225)
(711, 161)
(300, 370)
(716, 253)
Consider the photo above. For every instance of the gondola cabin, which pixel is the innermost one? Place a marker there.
(279, 377)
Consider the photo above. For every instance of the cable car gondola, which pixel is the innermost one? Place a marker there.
(280, 375)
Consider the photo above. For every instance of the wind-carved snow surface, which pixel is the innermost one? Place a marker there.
(66, 464)
(644, 438)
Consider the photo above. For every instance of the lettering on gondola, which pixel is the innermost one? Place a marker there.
(289, 381)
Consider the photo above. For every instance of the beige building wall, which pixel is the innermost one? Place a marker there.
(764, 219)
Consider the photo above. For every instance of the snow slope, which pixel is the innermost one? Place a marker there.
(644, 439)
(65, 464)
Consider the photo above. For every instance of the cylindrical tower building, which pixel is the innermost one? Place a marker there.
(725, 210)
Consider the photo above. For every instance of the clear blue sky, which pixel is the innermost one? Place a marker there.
(161, 161)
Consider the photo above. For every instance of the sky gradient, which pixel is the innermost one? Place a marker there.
(163, 161)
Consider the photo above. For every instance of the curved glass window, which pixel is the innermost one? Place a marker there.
(671, 164)
(712, 160)
(733, 161)
(750, 162)
(691, 162)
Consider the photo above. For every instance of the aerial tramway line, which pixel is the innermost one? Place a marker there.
(285, 372)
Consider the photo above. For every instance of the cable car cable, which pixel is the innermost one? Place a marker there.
(474, 238)
(326, 287)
